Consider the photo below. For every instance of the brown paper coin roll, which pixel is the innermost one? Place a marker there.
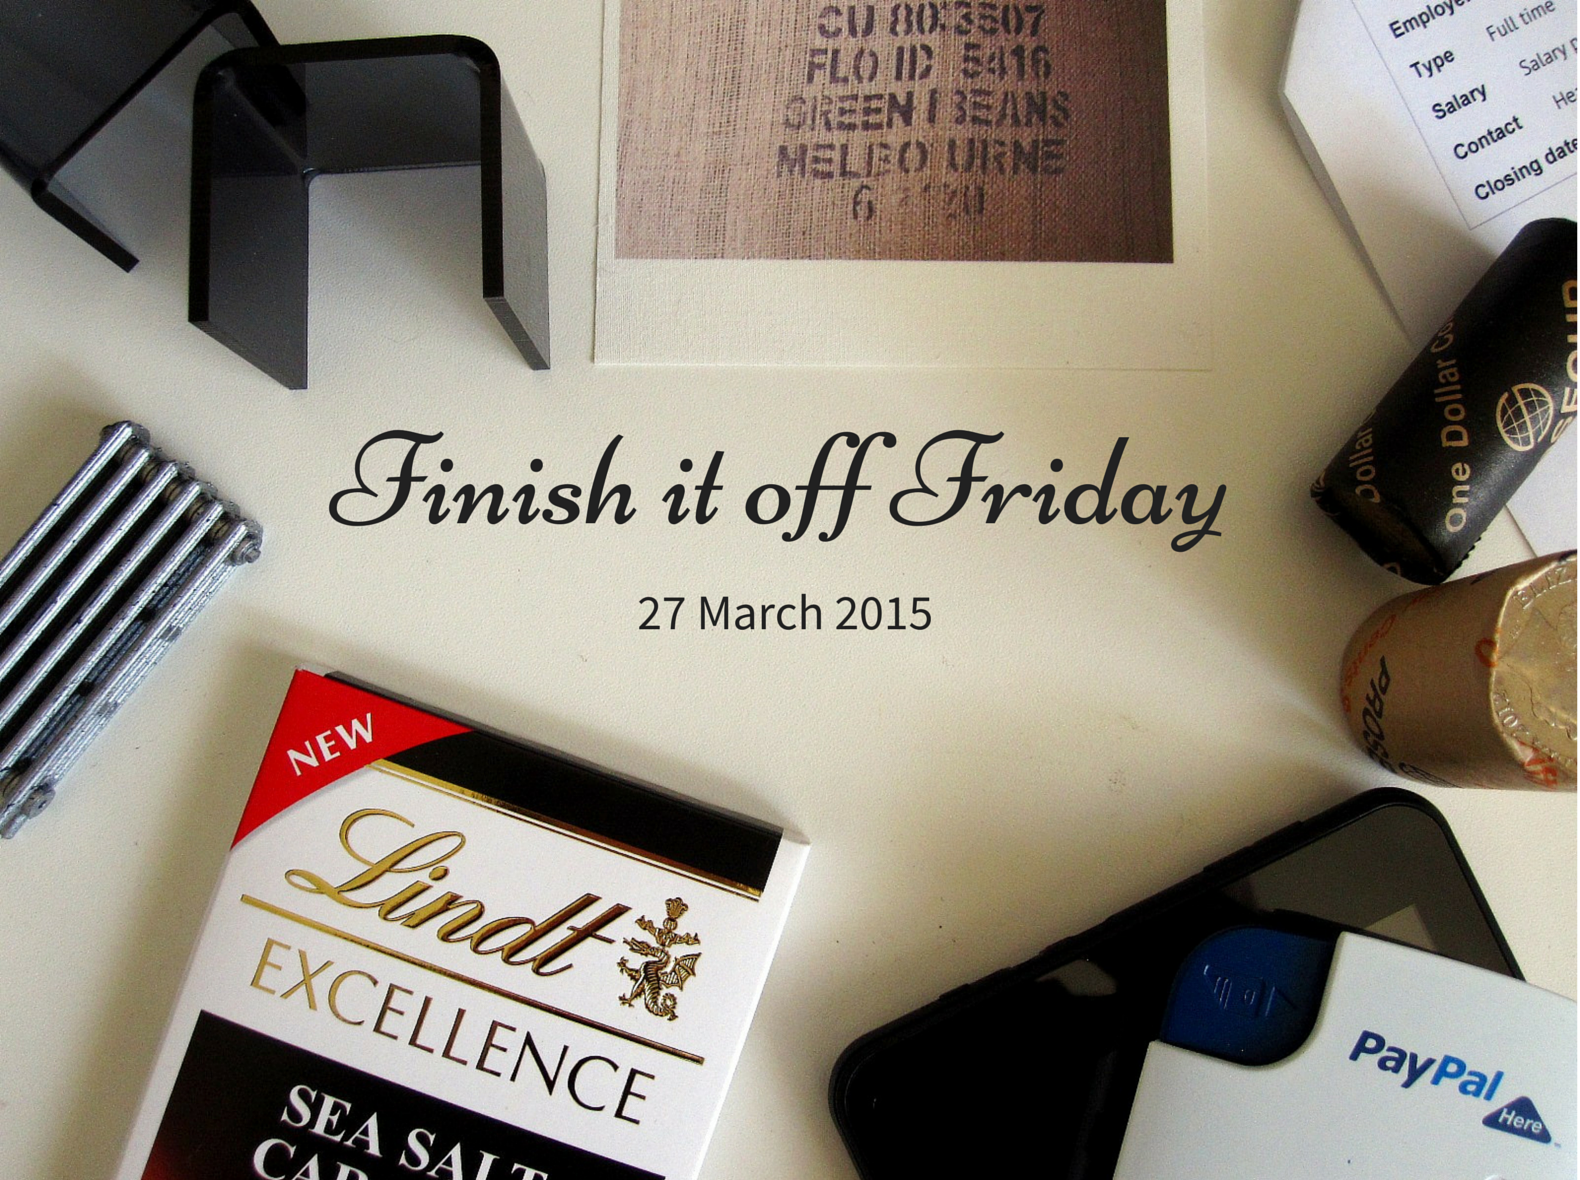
(1471, 683)
(1423, 476)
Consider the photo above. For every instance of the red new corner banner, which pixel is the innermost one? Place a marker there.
(327, 730)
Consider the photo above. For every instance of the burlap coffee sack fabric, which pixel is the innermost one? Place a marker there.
(955, 130)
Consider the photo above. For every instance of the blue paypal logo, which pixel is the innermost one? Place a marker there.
(1411, 1067)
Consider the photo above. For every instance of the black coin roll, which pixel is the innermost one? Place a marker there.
(1492, 391)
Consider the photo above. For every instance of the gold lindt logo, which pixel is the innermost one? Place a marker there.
(514, 939)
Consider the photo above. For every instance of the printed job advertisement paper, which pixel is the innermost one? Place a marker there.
(1491, 90)
(951, 182)
(1439, 129)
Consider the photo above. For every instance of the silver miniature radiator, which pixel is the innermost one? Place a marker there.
(93, 595)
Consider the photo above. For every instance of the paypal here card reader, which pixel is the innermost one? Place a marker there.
(1288, 1055)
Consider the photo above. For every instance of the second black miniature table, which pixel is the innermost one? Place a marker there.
(267, 121)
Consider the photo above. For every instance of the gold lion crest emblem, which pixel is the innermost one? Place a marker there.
(651, 981)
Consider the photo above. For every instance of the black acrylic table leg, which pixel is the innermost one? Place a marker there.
(68, 67)
(267, 121)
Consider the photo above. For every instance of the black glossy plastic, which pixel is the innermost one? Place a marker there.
(267, 121)
(68, 67)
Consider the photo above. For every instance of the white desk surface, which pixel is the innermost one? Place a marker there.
(1090, 717)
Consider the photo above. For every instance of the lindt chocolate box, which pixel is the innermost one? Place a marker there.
(436, 952)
